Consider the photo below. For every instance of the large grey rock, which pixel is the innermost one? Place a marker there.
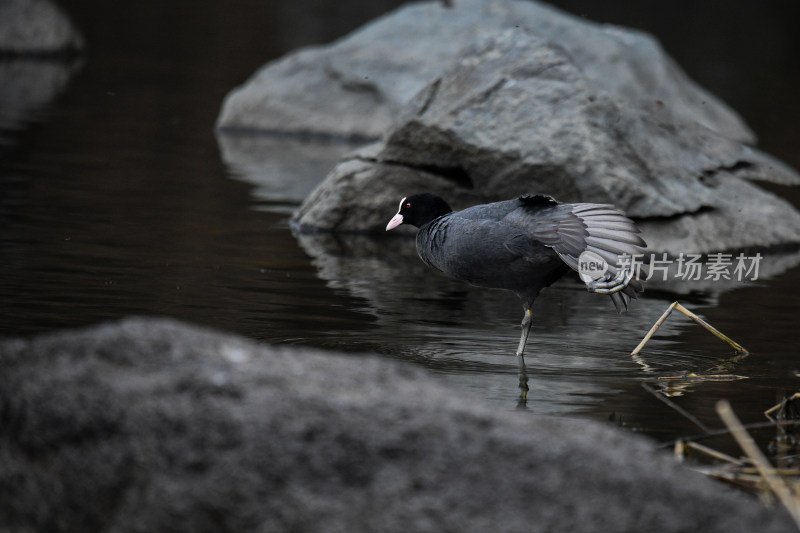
(515, 97)
(355, 86)
(36, 27)
(518, 114)
(151, 425)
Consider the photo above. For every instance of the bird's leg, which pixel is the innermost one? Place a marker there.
(615, 284)
(523, 374)
(526, 328)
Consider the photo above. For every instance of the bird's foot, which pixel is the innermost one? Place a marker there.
(615, 284)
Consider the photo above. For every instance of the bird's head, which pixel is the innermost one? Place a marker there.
(418, 210)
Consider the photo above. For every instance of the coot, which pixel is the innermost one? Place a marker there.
(524, 245)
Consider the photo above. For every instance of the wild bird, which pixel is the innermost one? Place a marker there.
(526, 244)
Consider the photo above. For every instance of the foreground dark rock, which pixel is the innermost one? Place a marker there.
(152, 425)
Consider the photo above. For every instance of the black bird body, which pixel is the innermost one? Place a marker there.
(521, 245)
(493, 246)
(524, 245)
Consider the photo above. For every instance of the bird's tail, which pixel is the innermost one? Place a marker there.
(622, 298)
(589, 237)
(609, 234)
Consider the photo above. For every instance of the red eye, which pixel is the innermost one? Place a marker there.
(408, 205)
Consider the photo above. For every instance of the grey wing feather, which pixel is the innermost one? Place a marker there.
(572, 229)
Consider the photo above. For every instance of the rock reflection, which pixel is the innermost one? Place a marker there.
(27, 87)
(387, 273)
(282, 169)
(579, 347)
(472, 328)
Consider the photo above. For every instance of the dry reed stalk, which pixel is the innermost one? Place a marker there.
(677, 306)
(789, 500)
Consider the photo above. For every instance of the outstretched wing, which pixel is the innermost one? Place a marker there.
(571, 229)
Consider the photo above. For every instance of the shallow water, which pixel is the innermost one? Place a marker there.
(117, 200)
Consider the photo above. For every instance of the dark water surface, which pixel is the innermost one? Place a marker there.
(116, 201)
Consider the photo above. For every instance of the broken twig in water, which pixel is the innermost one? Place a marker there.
(692, 376)
(745, 473)
(676, 305)
(781, 407)
(726, 431)
(681, 448)
(749, 447)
